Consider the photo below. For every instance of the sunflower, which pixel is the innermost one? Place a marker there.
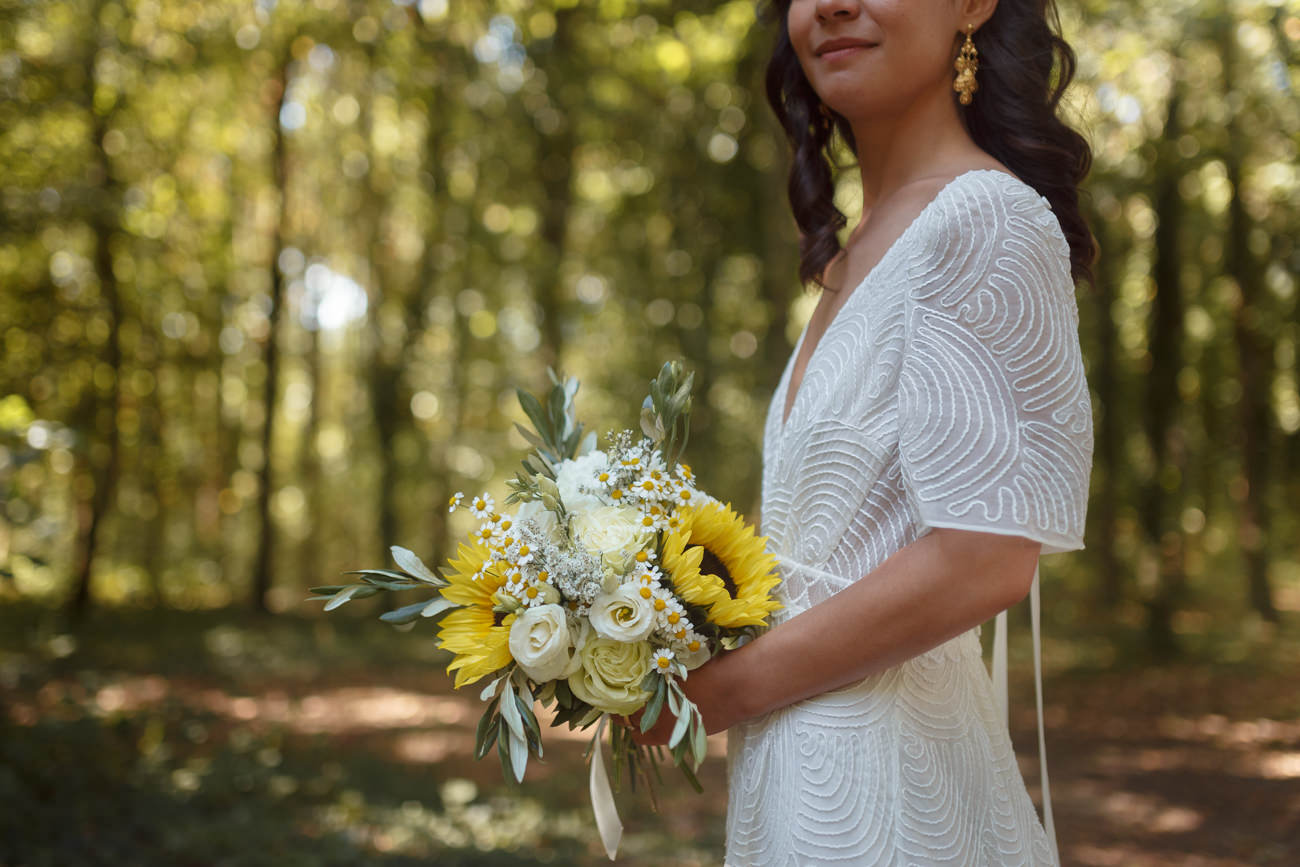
(472, 632)
(716, 561)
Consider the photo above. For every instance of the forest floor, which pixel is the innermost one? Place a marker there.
(213, 738)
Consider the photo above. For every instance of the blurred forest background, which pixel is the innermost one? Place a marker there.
(271, 271)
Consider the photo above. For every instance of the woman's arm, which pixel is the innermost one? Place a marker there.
(926, 593)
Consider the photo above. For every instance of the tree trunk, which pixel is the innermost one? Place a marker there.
(264, 559)
(1109, 438)
(1160, 500)
(1253, 356)
(309, 555)
(103, 417)
(555, 164)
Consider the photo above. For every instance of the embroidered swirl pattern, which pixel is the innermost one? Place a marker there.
(949, 391)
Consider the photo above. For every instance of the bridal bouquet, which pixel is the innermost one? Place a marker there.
(603, 579)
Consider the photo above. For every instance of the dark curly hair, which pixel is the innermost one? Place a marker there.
(1025, 67)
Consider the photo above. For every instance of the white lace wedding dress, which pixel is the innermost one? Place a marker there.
(948, 391)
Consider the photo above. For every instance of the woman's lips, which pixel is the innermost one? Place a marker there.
(844, 51)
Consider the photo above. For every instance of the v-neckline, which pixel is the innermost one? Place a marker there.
(788, 400)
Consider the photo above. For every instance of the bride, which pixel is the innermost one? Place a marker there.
(930, 436)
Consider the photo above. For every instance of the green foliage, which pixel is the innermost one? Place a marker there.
(666, 411)
(457, 197)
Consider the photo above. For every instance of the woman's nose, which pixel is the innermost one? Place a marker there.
(840, 9)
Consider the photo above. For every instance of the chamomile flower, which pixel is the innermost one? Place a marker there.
(673, 617)
(662, 661)
(482, 506)
(646, 574)
(455, 501)
(516, 585)
(660, 599)
(650, 521)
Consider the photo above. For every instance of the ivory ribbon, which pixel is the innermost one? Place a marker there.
(608, 823)
(1000, 696)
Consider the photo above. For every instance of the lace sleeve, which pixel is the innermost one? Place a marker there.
(995, 420)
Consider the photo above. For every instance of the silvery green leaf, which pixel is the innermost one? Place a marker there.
(652, 709)
(405, 614)
(533, 439)
(510, 711)
(342, 596)
(679, 730)
(486, 732)
(590, 717)
(650, 425)
(588, 444)
(530, 719)
(532, 408)
(406, 580)
(518, 756)
(491, 689)
(437, 606)
(701, 740)
(415, 566)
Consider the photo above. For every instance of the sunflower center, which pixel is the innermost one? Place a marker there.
(711, 564)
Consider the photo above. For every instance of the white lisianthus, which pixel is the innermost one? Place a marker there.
(541, 517)
(623, 615)
(613, 534)
(573, 475)
(540, 642)
(611, 674)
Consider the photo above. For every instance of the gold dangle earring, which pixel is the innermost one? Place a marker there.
(968, 63)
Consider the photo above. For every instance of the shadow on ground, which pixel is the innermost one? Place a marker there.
(209, 738)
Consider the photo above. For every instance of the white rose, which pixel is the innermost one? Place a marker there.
(623, 615)
(610, 676)
(572, 475)
(612, 533)
(541, 644)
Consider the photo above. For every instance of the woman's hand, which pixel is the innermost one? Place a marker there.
(944, 583)
(711, 688)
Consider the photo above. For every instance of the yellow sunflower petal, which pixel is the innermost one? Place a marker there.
(682, 564)
(479, 645)
(464, 589)
(752, 570)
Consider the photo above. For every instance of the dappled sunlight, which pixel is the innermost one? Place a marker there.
(1280, 766)
(366, 752)
(341, 710)
(1150, 813)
